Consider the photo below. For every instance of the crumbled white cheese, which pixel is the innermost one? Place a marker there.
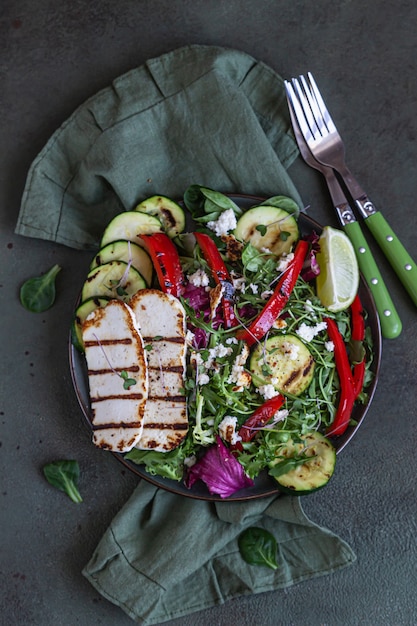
(231, 340)
(279, 323)
(266, 250)
(189, 461)
(199, 278)
(219, 351)
(279, 416)
(329, 345)
(254, 288)
(227, 430)
(309, 332)
(224, 224)
(267, 391)
(203, 379)
(265, 294)
(238, 375)
(189, 337)
(284, 261)
(290, 350)
(308, 306)
(238, 283)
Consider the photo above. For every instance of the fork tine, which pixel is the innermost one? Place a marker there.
(298, 112)
(305, 108)
(321, 105)
(312, 107)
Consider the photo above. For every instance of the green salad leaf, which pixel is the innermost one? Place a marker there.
(258, 546)
(37, 294)
(64, 476)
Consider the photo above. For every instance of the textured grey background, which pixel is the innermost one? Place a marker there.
(54, 55)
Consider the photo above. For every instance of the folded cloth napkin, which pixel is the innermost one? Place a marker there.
(216, 117)
(165, 556)
(200, 114)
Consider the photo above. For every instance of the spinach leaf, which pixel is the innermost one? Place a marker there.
(252, 259)
(64, 476)
(258, 546)
(38, 294)
(283, 202)
(202, 201)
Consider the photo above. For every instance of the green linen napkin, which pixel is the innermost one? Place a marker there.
(200, 114)
(219, 118)
(165, 556)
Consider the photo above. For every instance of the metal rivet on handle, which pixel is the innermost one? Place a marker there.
(362, 250)
(387, 312)
(390, 238)
(408, 267)
(374, 281)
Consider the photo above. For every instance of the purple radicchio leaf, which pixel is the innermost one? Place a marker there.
(220, 470)
(198, 298)
(311, 268)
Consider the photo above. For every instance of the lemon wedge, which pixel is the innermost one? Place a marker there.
(338, 281)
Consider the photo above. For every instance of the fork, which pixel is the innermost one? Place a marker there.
(389, 319)
(326, 145)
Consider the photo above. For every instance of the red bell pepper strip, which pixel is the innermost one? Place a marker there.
(347, 391)
(166, 262)
(219, 272)
(260, 326)
(358, 335)
(258, 419)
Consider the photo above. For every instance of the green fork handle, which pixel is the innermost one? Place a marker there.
(390, 321)
(397, 255)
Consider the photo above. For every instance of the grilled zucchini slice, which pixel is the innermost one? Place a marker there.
(307, 475)
(126, 251)
(112, 280)
(168, 212)
(268, 228)
(283, 361)
(130, 225)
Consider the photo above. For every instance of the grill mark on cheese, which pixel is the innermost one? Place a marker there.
(124, 341)
(107, 425)
(176, 369)
(124, 396)
(163, 426)
(131, 368)
(166, 398)
(179, 340)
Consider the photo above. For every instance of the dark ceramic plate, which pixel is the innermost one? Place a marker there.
(264, 484)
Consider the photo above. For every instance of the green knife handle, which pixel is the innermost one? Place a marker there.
(391, 325)
(397, 255)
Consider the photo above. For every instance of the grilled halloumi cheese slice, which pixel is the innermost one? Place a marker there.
(162, 321)
(114, 351)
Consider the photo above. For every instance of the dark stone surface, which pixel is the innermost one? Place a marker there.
(54, 55)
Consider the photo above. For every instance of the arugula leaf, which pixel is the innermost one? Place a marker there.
(64, 476)
(285, 466)
(258, 546)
